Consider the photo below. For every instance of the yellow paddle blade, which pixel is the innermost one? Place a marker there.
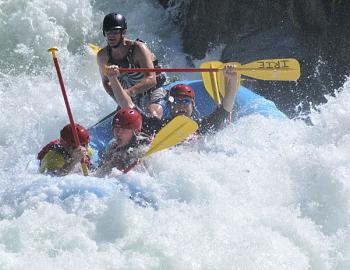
(285, 69)
(173, 133)
(214, 82)
(94, 48)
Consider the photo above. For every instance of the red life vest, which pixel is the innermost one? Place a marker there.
(47, 148)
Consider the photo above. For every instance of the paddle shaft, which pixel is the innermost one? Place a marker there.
(64, 93)
(260, 66)
(168, 69)
(53, 51)
(283, 69)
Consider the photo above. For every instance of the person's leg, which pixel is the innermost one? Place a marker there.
(155, 110)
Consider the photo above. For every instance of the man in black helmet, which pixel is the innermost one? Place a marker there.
(145, 88)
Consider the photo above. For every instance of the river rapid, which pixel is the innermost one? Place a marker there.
(260, 194)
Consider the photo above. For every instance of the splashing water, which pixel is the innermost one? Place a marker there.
(260, 194)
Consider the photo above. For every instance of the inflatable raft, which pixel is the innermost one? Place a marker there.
(63, 189)
(247, 103)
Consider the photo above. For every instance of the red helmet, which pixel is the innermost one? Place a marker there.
(67, 134)
(128, 119)
(182, 91)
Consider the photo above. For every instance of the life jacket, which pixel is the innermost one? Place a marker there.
(215, 121)
(126, 157)
(56, 145)
(129, 79)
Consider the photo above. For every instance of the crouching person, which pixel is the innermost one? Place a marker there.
(128, 145)
(61, 157)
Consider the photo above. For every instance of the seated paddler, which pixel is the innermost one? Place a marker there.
(61, 156)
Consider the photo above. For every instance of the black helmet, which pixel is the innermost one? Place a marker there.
(114, 20)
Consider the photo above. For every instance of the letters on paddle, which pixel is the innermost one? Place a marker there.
(276, 64)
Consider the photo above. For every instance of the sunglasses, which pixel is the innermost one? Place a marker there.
(182, 101)
(113, 31)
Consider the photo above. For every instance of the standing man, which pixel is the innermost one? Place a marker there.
(145, 88)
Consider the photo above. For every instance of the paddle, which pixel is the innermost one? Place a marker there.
(284, 69)
(214, 82)
(54, 51)
(177, 130)
(95, 49)
(219, 80)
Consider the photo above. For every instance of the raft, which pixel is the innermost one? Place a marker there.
(247, 103)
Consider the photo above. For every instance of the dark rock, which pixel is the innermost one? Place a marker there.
(164, 3)
(316, 32)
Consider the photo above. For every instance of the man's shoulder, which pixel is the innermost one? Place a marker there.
(140, 47)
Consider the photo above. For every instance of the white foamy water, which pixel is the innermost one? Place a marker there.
(261, 194)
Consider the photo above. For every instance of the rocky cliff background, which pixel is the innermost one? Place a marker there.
(316, 32)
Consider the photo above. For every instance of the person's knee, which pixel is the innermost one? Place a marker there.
(156, 110)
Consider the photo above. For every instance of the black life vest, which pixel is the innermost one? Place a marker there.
(129, 79)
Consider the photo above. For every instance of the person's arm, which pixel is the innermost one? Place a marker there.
(102, 60)
(231, 88)
(110, 159)
(222, 114)
(76, 156)
(143, 57)
(119, 94)
(55, 164)
(106, 165)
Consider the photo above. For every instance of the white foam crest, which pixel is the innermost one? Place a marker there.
(271, 186)
(29, 28)
(261, 194)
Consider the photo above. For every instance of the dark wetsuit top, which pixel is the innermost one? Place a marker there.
(214, 121)
(209, 124)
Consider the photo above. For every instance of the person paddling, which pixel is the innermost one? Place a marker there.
(145, 88)
(181, 101)
(125, 149)
(129, 142)
(61, 157)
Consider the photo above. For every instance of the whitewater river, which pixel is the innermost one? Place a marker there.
(261, 194)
